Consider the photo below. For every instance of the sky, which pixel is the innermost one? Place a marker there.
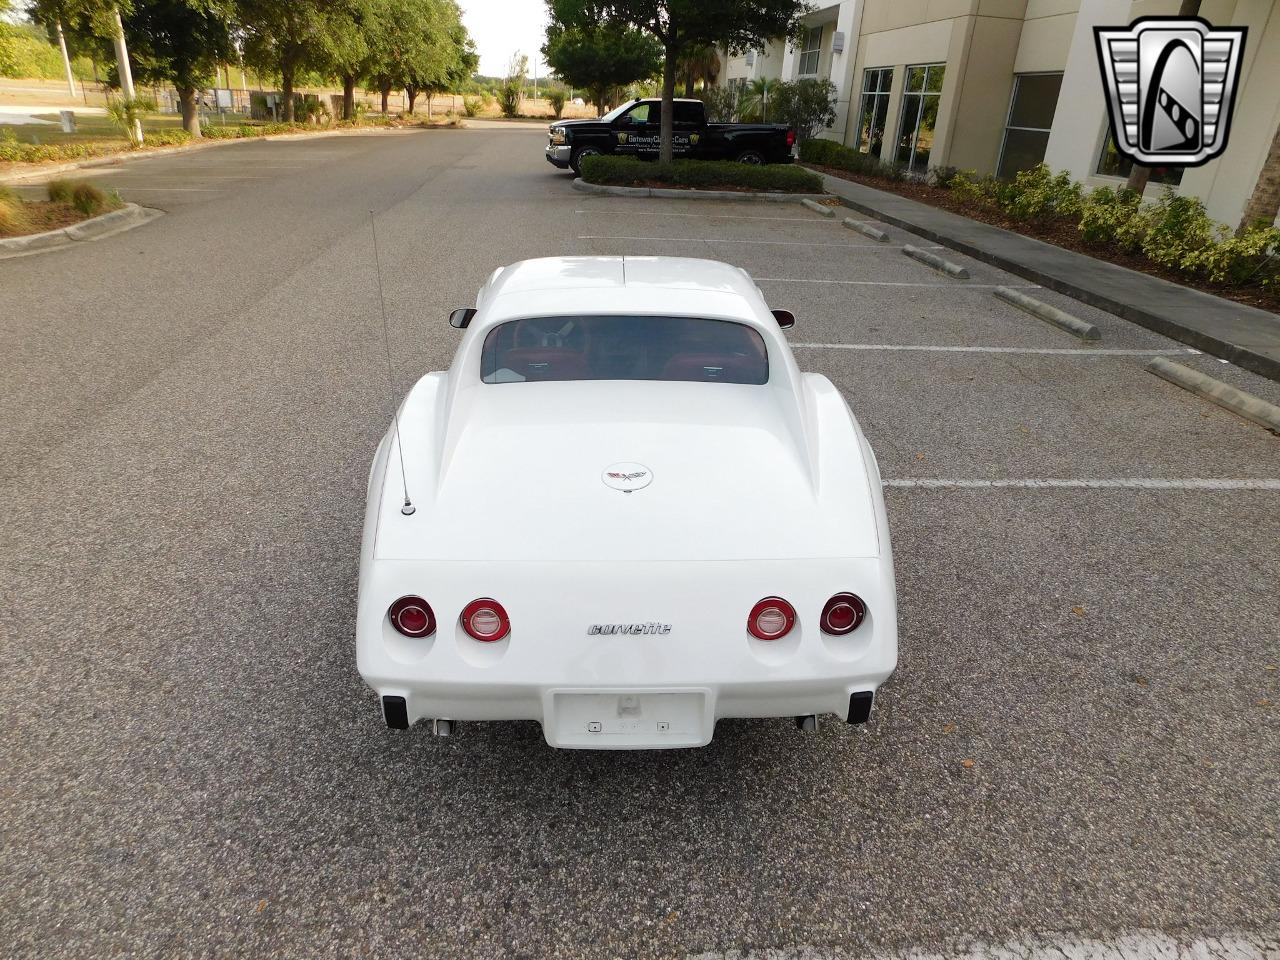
(501, 27)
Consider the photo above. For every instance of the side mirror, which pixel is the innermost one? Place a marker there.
(786, 319)
(461, 317)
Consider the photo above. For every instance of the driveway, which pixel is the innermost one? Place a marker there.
(1080, 745)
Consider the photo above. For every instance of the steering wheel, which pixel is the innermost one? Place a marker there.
(553, 332)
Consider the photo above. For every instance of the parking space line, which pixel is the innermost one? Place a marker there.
(1056, 351)
(709, 216)
(1127, 483)
(780, 243)
(897, 283)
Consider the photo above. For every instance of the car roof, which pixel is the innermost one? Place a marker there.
(621, 274)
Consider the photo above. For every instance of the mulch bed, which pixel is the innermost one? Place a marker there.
(1061, 234)
(44, 215)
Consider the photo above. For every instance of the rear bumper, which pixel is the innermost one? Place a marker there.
(630, 717)
(559, 156)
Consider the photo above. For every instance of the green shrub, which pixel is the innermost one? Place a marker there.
(509, 97)
(1038, 196)
(472, 106)
(167, 137)
(705, 174)
(88, 199)
(1179, 227)
(1252, 256)
(557, 99)
(1106, 214)
(60, 190)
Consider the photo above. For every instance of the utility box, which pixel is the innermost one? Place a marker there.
(68, 118)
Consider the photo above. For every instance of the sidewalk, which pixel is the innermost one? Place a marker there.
(1244, 335)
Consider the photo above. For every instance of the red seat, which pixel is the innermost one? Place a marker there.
(712, 367)
(545, 363)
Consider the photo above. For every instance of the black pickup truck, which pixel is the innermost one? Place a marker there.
(632, 130)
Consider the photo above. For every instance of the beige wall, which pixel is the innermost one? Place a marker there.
(978, 42)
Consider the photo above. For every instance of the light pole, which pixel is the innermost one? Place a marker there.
(126, 74)
(66, 60)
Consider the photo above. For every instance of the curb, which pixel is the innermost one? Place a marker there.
(819, 208)
(933, 260)
(1239, 355)
(865, 229)
(1042, 311)
(116, 221)
(130, 156)
(1237, 401)
(666, 193)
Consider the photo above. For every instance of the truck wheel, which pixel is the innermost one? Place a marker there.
(575, 160)
(754, 157)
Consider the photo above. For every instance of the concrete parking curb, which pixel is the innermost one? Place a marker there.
(935, 261)
(865, 229)
(1042, 311)
(1244, 335)
(821, 209)
(1224, 395)
(666, 193)
(116, 221)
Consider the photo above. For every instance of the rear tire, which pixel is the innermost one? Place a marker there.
(753, 157)
(575, 159)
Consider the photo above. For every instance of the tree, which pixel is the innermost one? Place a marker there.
(286, 37)
(680, 25)
(699, 63)
(1264, 203)
(348, 47)
(180, 42)
(599, 59)
(759, 97)
(807, 105)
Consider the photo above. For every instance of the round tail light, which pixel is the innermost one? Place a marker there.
(412, 616)
(843, 614)
(485, 620)
(771, 619)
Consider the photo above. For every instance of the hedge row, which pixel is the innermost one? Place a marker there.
(701, 174)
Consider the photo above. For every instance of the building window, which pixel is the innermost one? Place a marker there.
(919, 115)
(811, 53)
(1026, 132)
(873, 109)
(1113, 163)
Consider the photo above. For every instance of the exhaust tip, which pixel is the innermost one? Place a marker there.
(442, 728)
(807, 724)
(396, 712)
(860, 706)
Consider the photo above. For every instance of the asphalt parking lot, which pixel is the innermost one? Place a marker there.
(1081, 739)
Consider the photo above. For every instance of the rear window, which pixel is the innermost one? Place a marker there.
(624, 348)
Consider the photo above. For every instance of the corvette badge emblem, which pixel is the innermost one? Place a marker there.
(627, 476)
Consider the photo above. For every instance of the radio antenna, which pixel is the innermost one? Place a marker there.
(408, 508)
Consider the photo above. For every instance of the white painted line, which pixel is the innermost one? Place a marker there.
(1126, 483)
(708, 216)
(1134, 945)
(1055, 351)
(780, 243)
(894, 283)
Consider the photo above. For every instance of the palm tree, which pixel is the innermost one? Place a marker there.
(1264, 204)
(700, 62)
(756, 98)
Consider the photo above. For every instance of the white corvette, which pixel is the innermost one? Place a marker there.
(625, 513)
